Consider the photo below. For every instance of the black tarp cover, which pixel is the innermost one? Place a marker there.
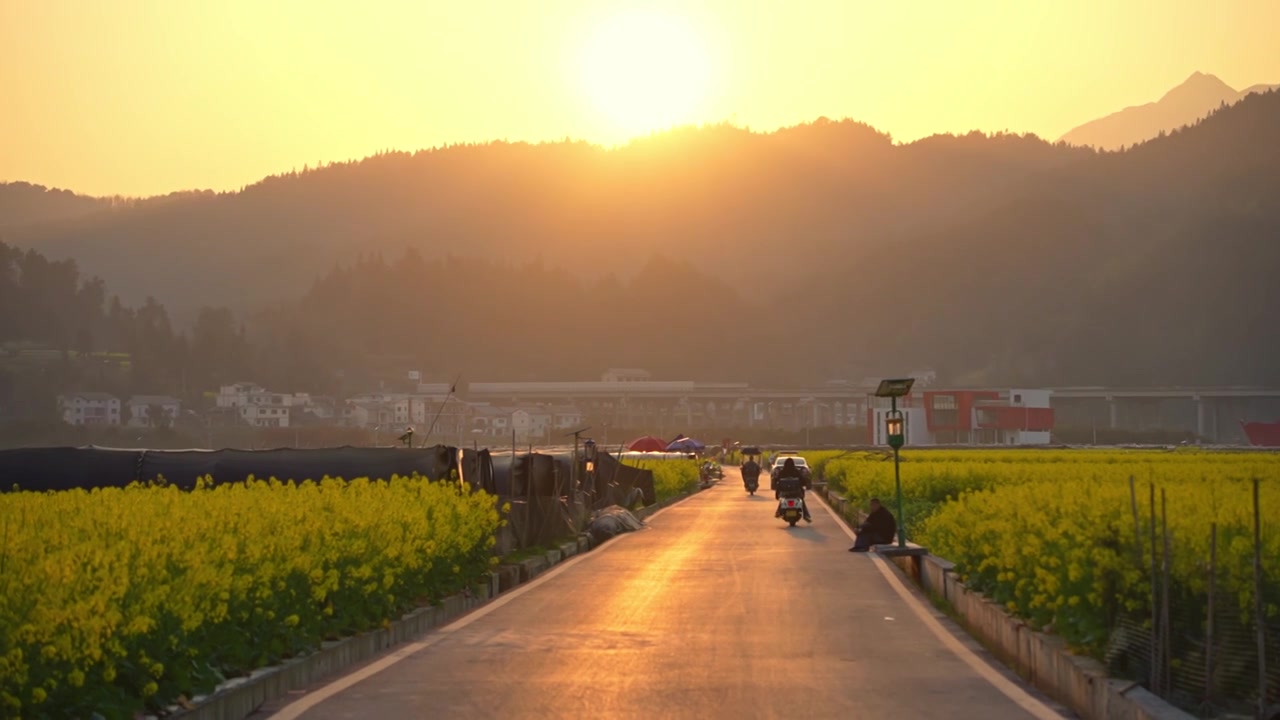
(615, 481)
(64, 468)
(538, 487)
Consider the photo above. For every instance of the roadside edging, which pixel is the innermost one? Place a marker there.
(1080, 683)
(241, 697)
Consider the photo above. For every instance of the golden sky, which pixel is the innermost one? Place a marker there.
(141, 97)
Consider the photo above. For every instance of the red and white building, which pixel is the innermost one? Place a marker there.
(967, 417)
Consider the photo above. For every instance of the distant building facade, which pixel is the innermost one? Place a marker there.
(89, 408)
(152, 411)
(968, 417)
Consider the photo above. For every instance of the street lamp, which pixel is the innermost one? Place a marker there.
(573, 469)
(589, 451)
(896, 437)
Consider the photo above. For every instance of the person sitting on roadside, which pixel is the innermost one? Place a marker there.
(878, 529)
(790, 483)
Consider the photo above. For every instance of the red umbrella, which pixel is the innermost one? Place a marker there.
(648, 443)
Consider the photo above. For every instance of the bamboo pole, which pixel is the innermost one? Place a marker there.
(1260, 619)
(1137, 524)
(1153, 672)
(1208, 632)
(1166, 645)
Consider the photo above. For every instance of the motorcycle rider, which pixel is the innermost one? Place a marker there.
(790, 483)
(750, 472)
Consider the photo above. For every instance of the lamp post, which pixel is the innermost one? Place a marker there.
(896, 437)
(573, 469)
(589, 451)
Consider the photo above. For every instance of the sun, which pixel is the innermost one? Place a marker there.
(644, 72)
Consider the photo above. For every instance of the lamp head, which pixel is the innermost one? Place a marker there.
(894, 429)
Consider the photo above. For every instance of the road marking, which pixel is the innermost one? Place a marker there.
(1033, 705)
(295, 709)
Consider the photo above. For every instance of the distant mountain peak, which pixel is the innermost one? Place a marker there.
(1200, 85)
(1197, 96)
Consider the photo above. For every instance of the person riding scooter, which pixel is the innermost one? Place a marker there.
(751, 474)
(790, 483)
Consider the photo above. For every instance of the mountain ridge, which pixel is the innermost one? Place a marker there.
(1182, 105)
(1000, 259)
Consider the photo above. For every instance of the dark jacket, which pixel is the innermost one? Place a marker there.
(750, 469)
(881, 524)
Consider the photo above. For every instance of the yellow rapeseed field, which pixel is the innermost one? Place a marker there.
(116, 600)
(670, 477)
(1051, 534)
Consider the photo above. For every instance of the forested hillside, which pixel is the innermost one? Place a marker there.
(997, 259)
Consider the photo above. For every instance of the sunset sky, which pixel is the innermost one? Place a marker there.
(141, 97)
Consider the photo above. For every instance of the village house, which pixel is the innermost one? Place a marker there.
(152, 411)
(89, 408)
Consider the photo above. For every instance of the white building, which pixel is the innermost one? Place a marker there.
(531, 423)
(240, 395)
(322, 408)
(566, 417)
(141, 408)
(1024, 430)
(370, 413)
(264, 415)
(237, 394)
(492, 421)
(89, 408)
(377, 397)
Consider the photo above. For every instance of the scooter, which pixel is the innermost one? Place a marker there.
(790, 509)
(751, 482)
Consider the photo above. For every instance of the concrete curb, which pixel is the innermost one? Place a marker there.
(1042, 660)
(239, 698)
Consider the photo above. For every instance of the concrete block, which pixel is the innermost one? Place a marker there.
(241, 697)
(939, 573)
(509, 576)
(1044, 660)
(531, 568)
(553, 557)
(909, 550)
(568, 549)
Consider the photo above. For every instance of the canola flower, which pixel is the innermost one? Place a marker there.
(670, 477)
(119, 600)
(1051, 534)
(819, 459)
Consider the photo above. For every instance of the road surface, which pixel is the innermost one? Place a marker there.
(716, 610)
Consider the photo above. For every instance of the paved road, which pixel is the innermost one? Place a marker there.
(716, 610)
